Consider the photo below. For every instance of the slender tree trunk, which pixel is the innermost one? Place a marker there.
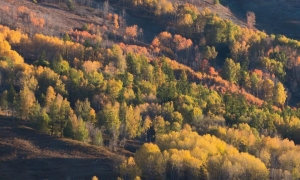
(52, 126)
(61, 129)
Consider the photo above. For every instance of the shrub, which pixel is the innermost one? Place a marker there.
(70, 5)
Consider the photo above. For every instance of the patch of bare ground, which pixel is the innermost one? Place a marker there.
(28, 154)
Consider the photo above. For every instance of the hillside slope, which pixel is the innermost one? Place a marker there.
(57, 19)
(276, 17)
(27, 154)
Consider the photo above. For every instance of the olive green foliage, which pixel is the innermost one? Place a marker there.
(70, 5)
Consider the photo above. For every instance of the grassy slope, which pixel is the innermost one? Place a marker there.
(27, 154)
(223, 11)
(272, 16)
(57, 18)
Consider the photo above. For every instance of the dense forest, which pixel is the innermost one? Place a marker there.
(207, 99)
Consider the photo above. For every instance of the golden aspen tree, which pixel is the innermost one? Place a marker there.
(129, 169)
(150, 160)
(90, 66)
(26, 101)
(279, 95)
(114, 87)
(159, 125)
(50, 96)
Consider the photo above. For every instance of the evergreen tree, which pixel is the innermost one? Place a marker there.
(42, 122)
(69, 130)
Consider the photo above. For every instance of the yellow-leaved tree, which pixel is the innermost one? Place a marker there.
(150, 160)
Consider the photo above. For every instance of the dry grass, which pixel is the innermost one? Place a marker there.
(57, 18)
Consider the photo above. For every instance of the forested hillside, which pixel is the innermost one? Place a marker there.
(209, 98)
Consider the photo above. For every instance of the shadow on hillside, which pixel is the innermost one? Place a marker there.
(45, 142)
(56, 169)
(235, 9)
(49, 6)
(21, 130)
(28, 154)
(270, 17)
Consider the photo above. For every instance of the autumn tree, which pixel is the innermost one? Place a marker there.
(94, 134)
(146, 126)
(133, 64)
(113, 88)
(12, 99)
(267, 89)
(119, 58)
(131, 32)
(4, 100)
(110, 118)
(279, 94)
(54, 114)
(132, 122)
(116, 21)
(160, 125)
(42, 120)
(80, 130)
(26, 101)
(231, 70)
(167, 92)
(210, 52)
(61, 66)
(129, 169)
(58, 109)
(159, 76)
(250, 19)
(183, 84)
(149, 160)
(83, 109)
(50, 96)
